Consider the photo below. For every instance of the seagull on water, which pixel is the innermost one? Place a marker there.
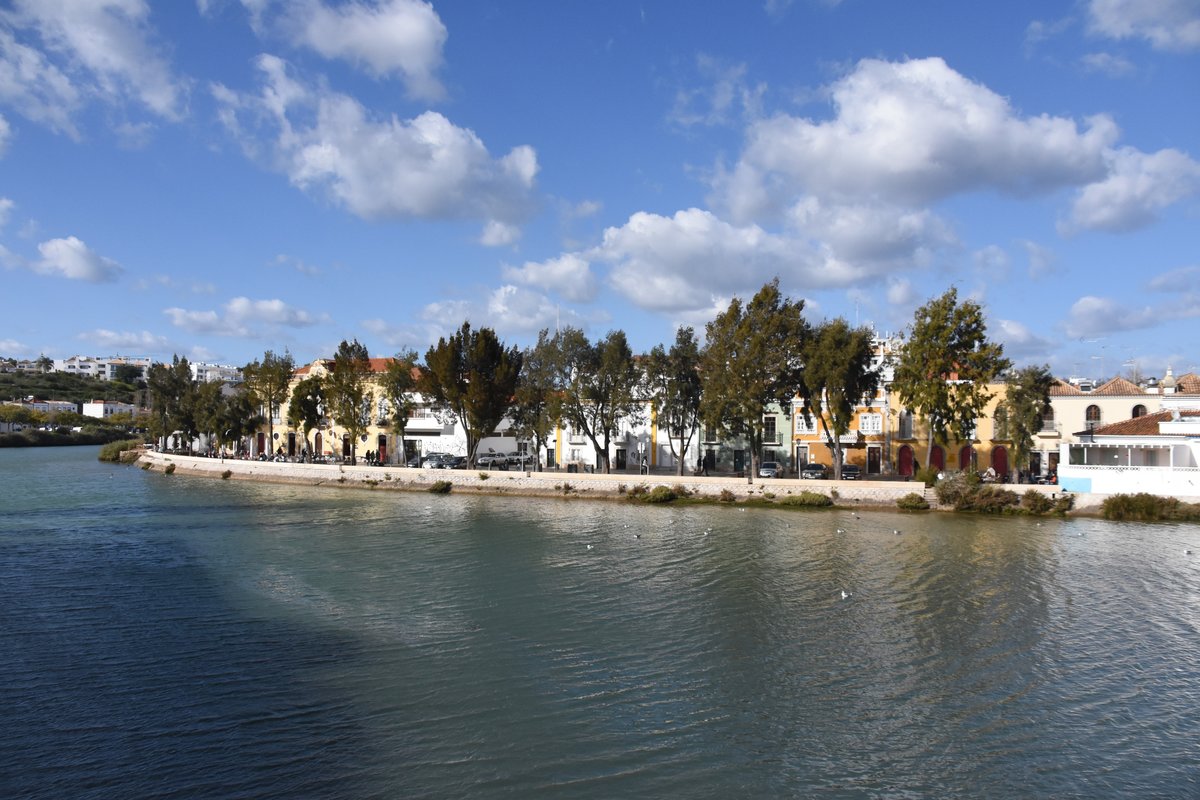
(845, 594)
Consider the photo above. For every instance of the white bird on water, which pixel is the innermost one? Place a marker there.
(845, 594)
(589, 547)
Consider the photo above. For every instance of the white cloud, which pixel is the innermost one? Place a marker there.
(6, 207)
(991, 262)
(1042, 261)
(1184, 279)
(682, 263)
(1108, 64)
(1137, 188)
(11, 347)
(116, 341)
(71, 258)
(724, 98)
(5, 133)
(243, 317)
(499, 234)
(1099, 316)
(388, 37)
(36, 88)
(907, 133)
(1165, 24)
(108, 45)
(873, 233)
(425, 167)
(568, 275)
(1020, 342)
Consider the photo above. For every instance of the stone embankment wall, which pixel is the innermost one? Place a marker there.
(882, 494)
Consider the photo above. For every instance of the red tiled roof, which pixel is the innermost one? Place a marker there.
(1188, 384)
(1061, 388)
(1117, 387)
(1145, 425)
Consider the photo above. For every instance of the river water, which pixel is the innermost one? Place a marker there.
(174, 637)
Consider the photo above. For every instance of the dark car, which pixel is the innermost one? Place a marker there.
(814, 471)
(851, 472)
(454, 462)
(770, 469)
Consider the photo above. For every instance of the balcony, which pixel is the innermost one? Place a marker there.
(1050, 430)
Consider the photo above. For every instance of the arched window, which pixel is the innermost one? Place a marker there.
(1092, 415)
(1139, 411)
(1048, 419)
(937, 458)
(1000, 425)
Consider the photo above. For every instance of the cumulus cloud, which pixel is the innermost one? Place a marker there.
(499, 234)
(909, 133)
(390, 37)
(1100, 316)
(1184, 279)
(107, 48)
(1137, 188)
(243, 317)
(71, 258)
(1020, 342)
(117, 341)
(1165, 24)
(35, 87)
(873, 233)
(569, 275)
(389, 168)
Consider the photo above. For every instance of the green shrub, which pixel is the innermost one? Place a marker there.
(112, 451)
(913, 502)
(1143, 507)
(441, 487)
(1036, 502)
(660, 494)
(483, 476)
(807, 500)
(769, 495)
(567, 488)
(1064, 503)
(639, 490)
(225, 475)
(621, 488)
(926, 475)
(170, 470)
(954, 490)
(727, 496)
(990, 500)
(681, 491)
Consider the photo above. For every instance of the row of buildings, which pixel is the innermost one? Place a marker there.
(885, 439)
(106, 368)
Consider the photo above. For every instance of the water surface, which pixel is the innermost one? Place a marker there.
(166, 636)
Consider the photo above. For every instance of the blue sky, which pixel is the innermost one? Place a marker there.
(219, 178)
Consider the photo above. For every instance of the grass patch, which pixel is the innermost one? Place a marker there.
(660, 494)
(727, 496)
(807, 500)
(913, 502)
(441, 487)
(112, 451)
(483, 476)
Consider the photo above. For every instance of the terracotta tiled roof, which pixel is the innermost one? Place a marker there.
(1188, 384)
(1063, 389)
(1117, 387)
(1146, 425)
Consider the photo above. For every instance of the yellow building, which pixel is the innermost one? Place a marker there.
(908, 441)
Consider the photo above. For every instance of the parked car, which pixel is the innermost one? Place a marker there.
(434, 460)
(492, 460)
(851, 472)
(454, 462)
(770, 469)
(814, 471)
(520, 460)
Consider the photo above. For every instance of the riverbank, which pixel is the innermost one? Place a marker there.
(847, 494)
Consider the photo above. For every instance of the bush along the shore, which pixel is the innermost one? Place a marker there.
(1143, 507)
(913, 502)
(169, 470)
(441, 487)
(112, 451)
(807, 500)
(965, 492)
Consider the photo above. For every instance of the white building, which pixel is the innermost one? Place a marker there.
(102, 409)
(103, 368)
(207, 373)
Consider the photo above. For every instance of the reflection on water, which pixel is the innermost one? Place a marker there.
(176, 636)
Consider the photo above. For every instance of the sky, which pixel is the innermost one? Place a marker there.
(220, 178)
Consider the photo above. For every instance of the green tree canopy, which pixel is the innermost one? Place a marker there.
(268, 381)
(601, 387)
(537, 404)
(673, 385)
(307, 406)
(839, 376)
(1026, 400)
(472, 376)
(753, 358)
(946, 366)
(399, 384)
(347, 392)
(171, 388)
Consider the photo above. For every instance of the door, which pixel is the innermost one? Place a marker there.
(739, 460)
(966, 458)
(317, 442)
(874, 460)
(291, 444)
(937, 458)
(345, 445)
(381, 456)
(1000, 462)
(905, 461)
(262, 443)
(622, 461)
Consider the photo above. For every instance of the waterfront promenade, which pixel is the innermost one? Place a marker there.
(557, 483)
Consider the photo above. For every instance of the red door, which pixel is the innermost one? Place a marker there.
(382, 455)
(937, 458)
(1000, 461)
(906, 461)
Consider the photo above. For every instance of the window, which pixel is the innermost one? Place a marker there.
(870, 423)
(1092, 416)
(710, 433)
(805, 423)
(1139, 411)
(906, 425)
(1000, 424)
(769, 434)
(1048, 420)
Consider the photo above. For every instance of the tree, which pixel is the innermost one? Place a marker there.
(946, 365)
(207, 401)
(307, 406)
(238, 416)
(127, 373)
(537, 404)
(672, 381)
(601, 387)
(472, 377)
(268, 381)
(348, 394)
(753, 358)
(1026, 401)
(838, 377)
(44, 363)
(399, 385)
(170, 389)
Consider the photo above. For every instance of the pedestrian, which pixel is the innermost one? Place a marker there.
(645, 469)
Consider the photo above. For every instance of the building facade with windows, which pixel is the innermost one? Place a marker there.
(103, 368)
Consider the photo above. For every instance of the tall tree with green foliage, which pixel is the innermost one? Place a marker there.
(238, 416)
(399, 384)
(602, 386)
(268, 382)
(348, 392)
(474, 378)
(307, 406)
(170, 389)
(946, 365)
(839, 376)
(754, 357)
(537, 404)
(1026, 401)
(674, 388)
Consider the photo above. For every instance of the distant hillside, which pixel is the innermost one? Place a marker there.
(61, 386)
